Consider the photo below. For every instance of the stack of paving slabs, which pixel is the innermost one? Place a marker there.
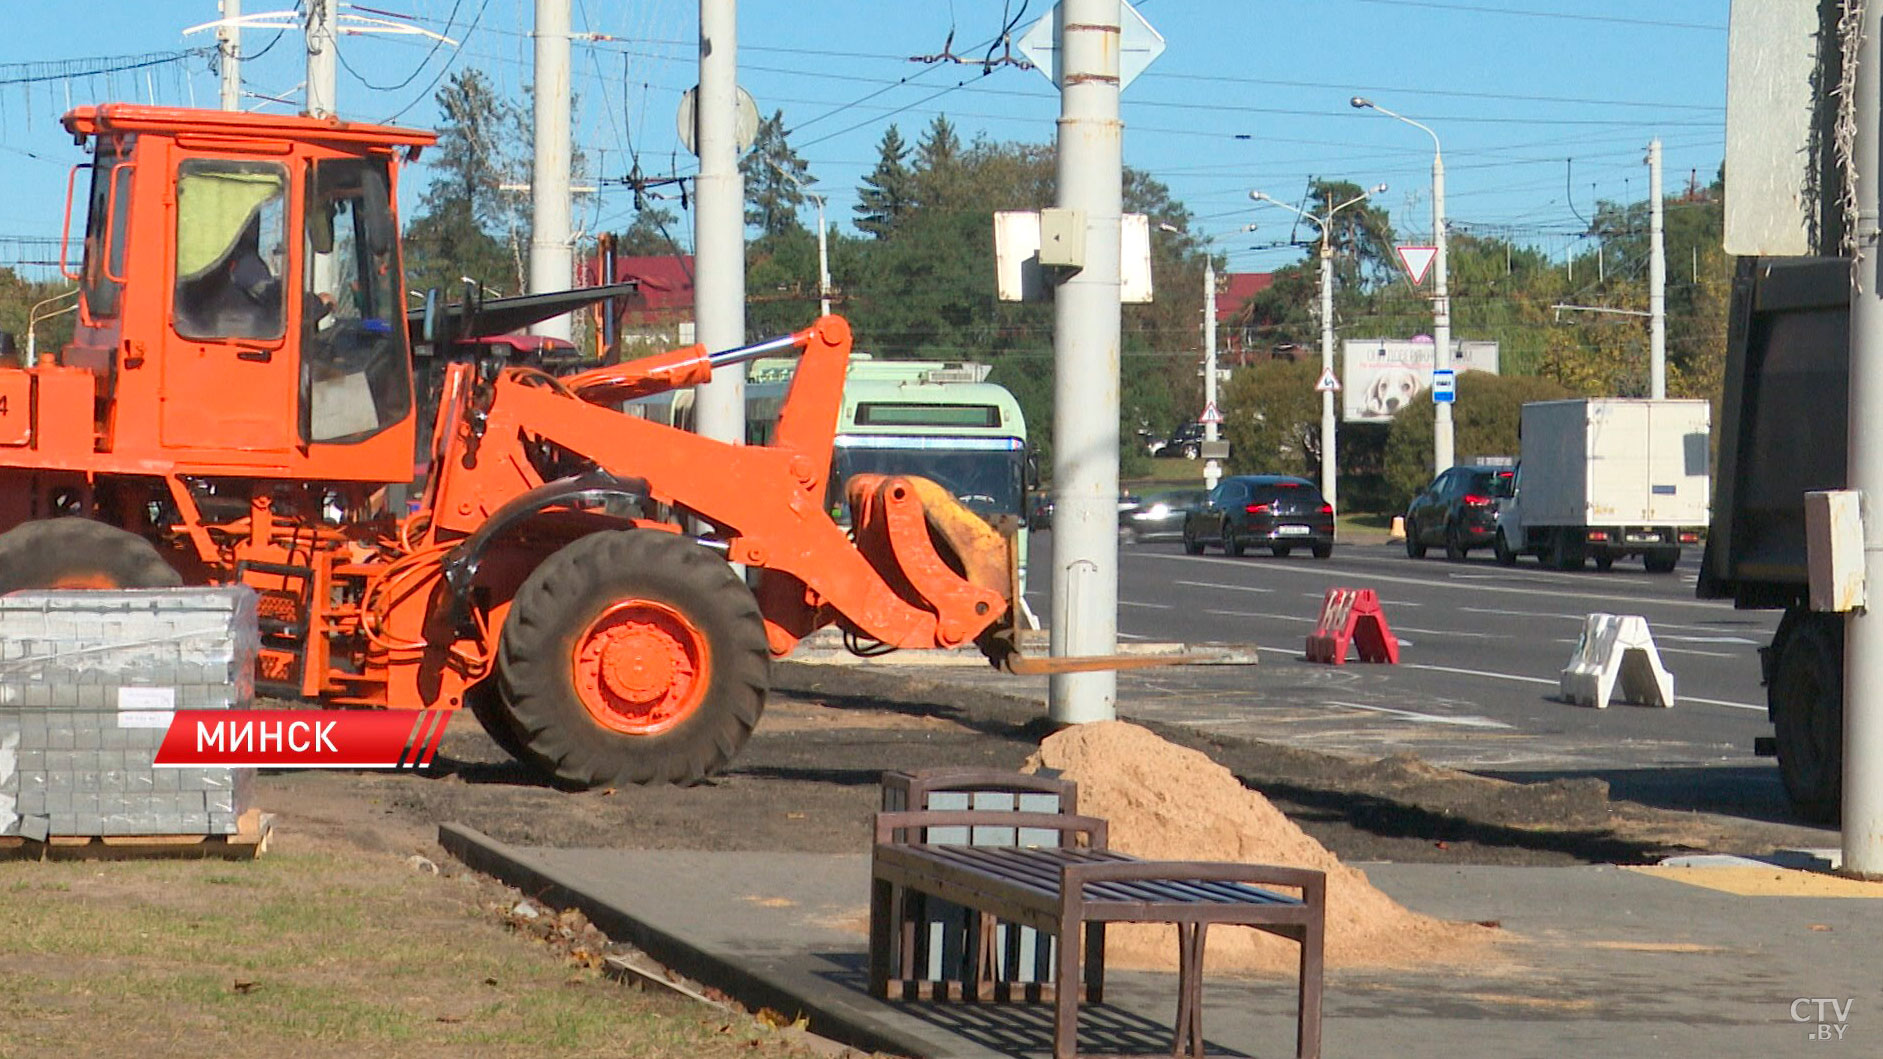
(88, 683)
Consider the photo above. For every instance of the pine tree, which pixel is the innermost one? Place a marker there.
(887, 192)
(775, 179)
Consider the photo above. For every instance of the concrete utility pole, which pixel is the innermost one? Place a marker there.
(552, 258)
(1657, 278)
(1212, 471)
(1087, 327)
(1863, 631)
(1330, 463)
(719, 223)
(229, 54)
(321, 61)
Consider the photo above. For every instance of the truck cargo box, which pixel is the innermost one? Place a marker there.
(1614, 461)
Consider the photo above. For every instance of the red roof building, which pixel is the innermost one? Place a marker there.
(1236, 339)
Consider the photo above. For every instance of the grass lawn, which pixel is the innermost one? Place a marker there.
(312, 952)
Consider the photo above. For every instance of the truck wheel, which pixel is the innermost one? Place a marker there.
(1807, 700)
(1565, 554)
(1501, 549)
(1662, 561)
(1455, 550)
(80, 553)
(633, 657)
(1415, 548)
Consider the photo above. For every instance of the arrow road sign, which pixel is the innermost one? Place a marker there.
(1328, 383)
(1416, 259)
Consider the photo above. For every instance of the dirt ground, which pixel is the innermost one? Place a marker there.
(807, 782)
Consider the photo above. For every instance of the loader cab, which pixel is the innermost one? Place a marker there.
(242, 299)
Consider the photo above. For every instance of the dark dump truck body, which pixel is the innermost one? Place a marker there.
(1782, 434)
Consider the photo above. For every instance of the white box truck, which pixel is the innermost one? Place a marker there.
(1606, 478)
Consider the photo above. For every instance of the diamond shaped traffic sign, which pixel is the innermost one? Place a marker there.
(1138, 44)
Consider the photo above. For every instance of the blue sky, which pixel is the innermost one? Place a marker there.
(1543, 107)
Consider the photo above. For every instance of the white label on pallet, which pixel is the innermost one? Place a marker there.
(147, 698)
(145, 718)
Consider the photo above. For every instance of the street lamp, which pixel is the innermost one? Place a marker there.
(1212, 471)
(1325, 222)
(1441, 300)
(823, 251)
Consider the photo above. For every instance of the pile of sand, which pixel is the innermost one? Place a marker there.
(1165, 802)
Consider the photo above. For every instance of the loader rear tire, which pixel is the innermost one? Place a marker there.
(633, 656)
(486, 704)
(80, 553)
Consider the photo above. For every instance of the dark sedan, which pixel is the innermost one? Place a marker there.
(1158, 516)
(1274, 511)
(1458, 511)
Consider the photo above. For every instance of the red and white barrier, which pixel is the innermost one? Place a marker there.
(1352, 616)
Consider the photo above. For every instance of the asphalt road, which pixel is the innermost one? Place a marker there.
(1481, 647)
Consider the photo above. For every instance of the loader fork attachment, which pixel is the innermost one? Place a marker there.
(899, 520)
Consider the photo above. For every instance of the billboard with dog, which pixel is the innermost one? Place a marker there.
(1383, 375)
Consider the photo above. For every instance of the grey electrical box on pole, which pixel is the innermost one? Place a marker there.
(1087, 329)
(719, 223)
(552, 258)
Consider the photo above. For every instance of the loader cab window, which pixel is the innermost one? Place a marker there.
(231, 241)
(355, 375)
(102, 292)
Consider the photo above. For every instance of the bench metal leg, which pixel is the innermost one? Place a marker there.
(882, 934)
(1189, 1035)
(1066, 991)
(1094, 964)
(1308, 1013)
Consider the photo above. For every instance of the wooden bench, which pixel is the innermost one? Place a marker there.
(1073, 889)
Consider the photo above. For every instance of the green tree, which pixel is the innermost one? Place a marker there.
(1484, 423)
(1272, 418)
(888, 190)
(19, 296)
(468, 225)
(775, 179)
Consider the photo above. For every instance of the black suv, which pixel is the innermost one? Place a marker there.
(1458, 511)
(1274, 511)
(1186, 441)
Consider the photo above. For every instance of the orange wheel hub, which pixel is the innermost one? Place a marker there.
(641, 667)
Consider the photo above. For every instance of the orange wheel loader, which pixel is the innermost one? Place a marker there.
(238, 405)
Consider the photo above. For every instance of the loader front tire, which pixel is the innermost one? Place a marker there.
(79, 553)
(633, 656)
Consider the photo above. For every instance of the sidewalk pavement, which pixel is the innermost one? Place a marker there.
(1721, 958)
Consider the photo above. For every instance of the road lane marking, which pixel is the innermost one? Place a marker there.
(1679, 698)
(1229, 588)
(1317, 571)
(1258, 614)
(1426, 718)
(1453, 632)
(1150, 606)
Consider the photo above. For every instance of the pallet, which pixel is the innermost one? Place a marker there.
(253, 829)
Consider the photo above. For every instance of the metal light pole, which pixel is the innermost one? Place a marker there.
(1330, 464)
(719, 224)
(552, 257)
(1441, 300)
(1657, 279)
(1863, 630)
(229, 54)
(1087, 332)
(1212, 471)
